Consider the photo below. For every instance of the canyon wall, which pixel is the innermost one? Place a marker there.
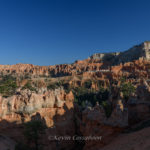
(58, 110)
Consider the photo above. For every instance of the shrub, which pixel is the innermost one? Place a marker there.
(27, 76)
(51, 87)
(82, 94)
(88, 84)
(127, 89)
(32, 132)
(100, 84)
(107, 107)
(67, 87)
(29, 87)
(8, 86)
(55, 85)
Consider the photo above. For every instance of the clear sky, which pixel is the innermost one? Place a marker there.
(48, 32)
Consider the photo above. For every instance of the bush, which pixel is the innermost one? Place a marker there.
(32, 132)
(82, 94)
(55, 85)
(127, 89)
(8, 86)
(100, 84)
(88, 84)
(29, 87)
(107, 107)
(51, 87)
(67, 87)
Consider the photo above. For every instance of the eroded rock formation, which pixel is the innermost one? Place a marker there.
(51, 99)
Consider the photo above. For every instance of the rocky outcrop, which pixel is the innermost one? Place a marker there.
(53, 108)
(27, 102)
(134, 53)
(96, 124)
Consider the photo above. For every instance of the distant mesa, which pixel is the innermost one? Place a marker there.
(134, 53)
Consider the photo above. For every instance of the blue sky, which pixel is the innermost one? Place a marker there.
(48, 32)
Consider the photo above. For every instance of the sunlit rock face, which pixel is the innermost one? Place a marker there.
(134, 53)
